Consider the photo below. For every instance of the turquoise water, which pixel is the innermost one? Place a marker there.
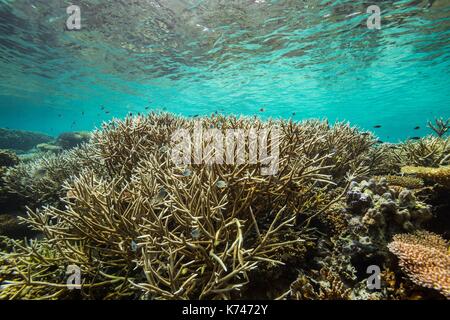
(298, 59)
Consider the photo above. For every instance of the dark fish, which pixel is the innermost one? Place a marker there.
(102, 107)
(82, 113)
(293, 113)
(379, 141)
(377, 126)
(261, 110)
(107, 112)
(417, 128)
(146, 108)
(365, 133)
(195, 116)
(415, 138)
(59, 115)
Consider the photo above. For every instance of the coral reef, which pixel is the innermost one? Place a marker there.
(425, 258)
(21, 140)
(140, 225)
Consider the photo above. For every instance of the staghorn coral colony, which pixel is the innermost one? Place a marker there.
(140, 226)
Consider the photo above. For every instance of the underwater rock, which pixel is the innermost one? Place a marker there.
(70, 140)
(21, 140)
(358, 201)
(385, 206)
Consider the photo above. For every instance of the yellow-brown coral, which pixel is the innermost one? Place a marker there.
(440, 175)
(424, 258)
(408, 182)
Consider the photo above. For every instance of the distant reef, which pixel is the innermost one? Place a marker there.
(21, 140)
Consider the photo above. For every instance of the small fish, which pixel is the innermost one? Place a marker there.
(164, 149)
(59, 115)
(102, 107)
(417, 128)
(162, 193)
(195, 233)
(293, 114)
(146, 108)
(187, 173)
(377, 126)
(40, 173)
(82, 113)
(365, 133)
(415, 138)
(379, 141)
(195, 116)
(261, 110)
(134, 246)
(107, 112)
(221, 184)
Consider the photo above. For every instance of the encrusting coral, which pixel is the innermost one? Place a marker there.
(425, 258)
(139, 225)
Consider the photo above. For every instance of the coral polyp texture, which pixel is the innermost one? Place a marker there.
(140, 225)
(425, 258)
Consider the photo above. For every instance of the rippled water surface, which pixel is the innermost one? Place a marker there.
(296, 59)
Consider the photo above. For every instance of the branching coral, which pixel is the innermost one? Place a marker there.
(440, 126)
(439, 175)
(39, 182)
(424, 257)
(428, 152)
(164, 231)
